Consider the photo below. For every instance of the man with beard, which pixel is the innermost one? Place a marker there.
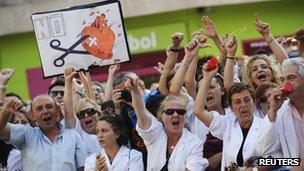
(49, 146)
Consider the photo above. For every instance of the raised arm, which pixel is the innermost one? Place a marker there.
(191, 51)
(5, 75)
(190, 82)
(144, 119)
(201, 97)
(172, 54)
(69, 115)
(208, 28)
(263, 29)
(231, 47)
(87, 84)
(9, 107)
(276, 100)
(109, 86)
(267, 140)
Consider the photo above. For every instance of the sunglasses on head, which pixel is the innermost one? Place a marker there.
(55, 93)
(89, 112)
(178, 111)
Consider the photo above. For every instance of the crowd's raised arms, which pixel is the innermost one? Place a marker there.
(217, 112)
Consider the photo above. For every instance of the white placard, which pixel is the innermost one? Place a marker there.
(81, 37)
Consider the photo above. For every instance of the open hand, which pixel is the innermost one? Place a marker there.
(159, 68)
(208, 27)
(5, 75)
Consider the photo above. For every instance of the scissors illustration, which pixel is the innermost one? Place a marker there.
(55, 44)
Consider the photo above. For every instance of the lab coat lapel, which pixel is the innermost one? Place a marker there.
(180, 146)
(122, 153)
(252, 131)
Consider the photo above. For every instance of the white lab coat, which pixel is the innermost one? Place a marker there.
(261, 139)
(198, 128)
(287, 134)
(126, 159)
(188, 152)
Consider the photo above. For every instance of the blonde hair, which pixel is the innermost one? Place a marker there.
(83, 102)
(168, 99)
(276, 75)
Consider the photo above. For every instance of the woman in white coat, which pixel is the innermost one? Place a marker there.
(114, 155)
(170, 146)
(244, 135)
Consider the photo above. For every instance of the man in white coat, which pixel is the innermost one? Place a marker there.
(290, 117)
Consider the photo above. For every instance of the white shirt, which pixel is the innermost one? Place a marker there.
(287, 134)
(14, 162)
(198, 128)
(126, 159)
(188, 152)
(262, 139)
(90, 141)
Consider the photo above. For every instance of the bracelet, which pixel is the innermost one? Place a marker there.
(4, 111)
(185, 64)
(175, 49)
(2, 87)
(230, 57)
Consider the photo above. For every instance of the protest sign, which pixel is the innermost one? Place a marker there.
(82, 37)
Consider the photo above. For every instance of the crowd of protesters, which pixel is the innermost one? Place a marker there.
(206, 113)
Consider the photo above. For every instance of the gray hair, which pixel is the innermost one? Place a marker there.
(299, 62)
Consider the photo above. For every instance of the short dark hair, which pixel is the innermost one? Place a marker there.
(118, 127)
(238, 88)
(299, 35)
(54, 84)
(108, 107)
(220, 80)
(120, 78)
(11, 94)
(262, 88)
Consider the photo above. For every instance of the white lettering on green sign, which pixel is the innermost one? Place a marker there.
(145, 42)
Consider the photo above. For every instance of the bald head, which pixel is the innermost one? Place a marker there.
(38, 99)
(46, 113)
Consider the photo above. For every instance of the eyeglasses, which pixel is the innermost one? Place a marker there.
(178, 111)
(55, 93)
(89, 112)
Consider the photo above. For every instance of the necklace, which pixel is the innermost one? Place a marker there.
(172, 147)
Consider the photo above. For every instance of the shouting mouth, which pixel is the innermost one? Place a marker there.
(262, 77)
